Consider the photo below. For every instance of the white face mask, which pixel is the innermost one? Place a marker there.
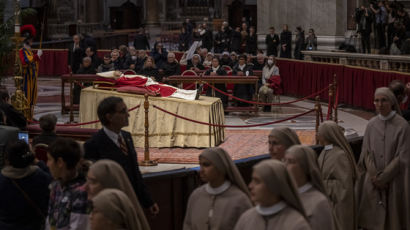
(270, 62)
(134, 58)
(405, 99)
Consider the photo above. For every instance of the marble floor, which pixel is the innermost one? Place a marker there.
(354, 121)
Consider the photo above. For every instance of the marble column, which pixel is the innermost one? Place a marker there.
(152, 12)
(94, 11)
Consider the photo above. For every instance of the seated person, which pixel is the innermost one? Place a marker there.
(169, 68)
(48, 126)
(208, 60)
(241, 90)
(217, 70)
(131, 58)
(234, 58)
(95, 60)
(115, 59)
(86, 68)
(259, 63)
(68, 206)
(12, 116)
(225, 60)
(107, 65)
(159, 54)
(195, 63)
(249, 59)
(266, 91)
(142, 57)
(203, 52)
(150, 70)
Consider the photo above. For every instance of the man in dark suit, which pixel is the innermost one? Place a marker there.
(75, 53)
(13, 117)
(115, 144)
(272, 42)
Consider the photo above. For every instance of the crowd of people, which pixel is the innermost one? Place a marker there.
(390, 24)
(99, 185)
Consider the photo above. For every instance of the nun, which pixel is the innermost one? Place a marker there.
(113, 210)
(219, 203)
(339, 174)
(278, 203)
(280, 139)
(301, 162)
(384, 164)
(105, 174)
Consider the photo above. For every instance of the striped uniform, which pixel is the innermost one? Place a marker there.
(29, 63)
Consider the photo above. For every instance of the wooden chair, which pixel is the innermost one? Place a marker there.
(129, 72)
(189, 73)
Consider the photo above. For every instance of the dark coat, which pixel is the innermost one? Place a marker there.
(224, 98)
(240, 90)
(190, 65)
(222, 41)
(171, 69)
(151, 72)
(87, 70)
(251, 44)
(236, 40)
(15, 211)
(75, 57)
(159, 58)
(299, 45)
(184, 41)
(272, 43)
(13, 117)
(141, 42)
(104, 68)
(45, 138)
(207, 40)
(286, 39)
(100, 146)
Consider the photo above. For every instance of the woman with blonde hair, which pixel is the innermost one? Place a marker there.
(278, 203)
(219, 203)
(149, 68)
(301, 162)
(339, 173)
(105, 174)
(113, 210)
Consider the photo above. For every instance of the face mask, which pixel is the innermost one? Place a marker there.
(134, 58)
(270, 62)
(405, 99)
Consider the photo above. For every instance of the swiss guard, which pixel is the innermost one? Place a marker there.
(30, 64)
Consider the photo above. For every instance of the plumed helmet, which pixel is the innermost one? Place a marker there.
(28, 32)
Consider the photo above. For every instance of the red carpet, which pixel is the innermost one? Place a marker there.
(239, 144)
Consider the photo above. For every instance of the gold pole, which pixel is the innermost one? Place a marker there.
(334, 96)
(19, 100)
(318, 109)
(330, 103)
(147, 161)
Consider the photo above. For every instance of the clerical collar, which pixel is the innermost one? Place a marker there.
(304, 188)
(388, 117)
(329, 147)
(268, 211)
(215, 69)
(218, 190)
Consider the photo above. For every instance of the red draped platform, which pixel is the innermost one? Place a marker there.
(300, 78)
